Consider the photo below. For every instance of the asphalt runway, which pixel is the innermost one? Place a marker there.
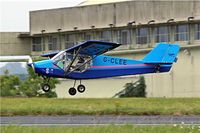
(78, 120)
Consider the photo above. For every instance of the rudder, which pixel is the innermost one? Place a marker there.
(162, 54)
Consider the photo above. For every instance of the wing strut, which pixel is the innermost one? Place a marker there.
(81, 65)
(68, 68)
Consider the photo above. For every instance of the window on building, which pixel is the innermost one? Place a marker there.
(53, 42)
(161, 34)
(69, 40)
(106, 35)
(142, 36)
(123, 36)
(181, 32)
(197, 31)
(87, 36)
(97, 35)
(80, 37)
(36, 44)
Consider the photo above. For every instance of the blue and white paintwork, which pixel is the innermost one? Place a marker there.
(162, 56)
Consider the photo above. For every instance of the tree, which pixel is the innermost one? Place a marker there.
(32, 86)
(136, 89)
(9, 84)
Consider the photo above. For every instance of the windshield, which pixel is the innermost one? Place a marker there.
(60, 53)
(79, 64)
(62, 59)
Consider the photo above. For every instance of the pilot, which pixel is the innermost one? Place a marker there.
(79, 64)
(81, 60)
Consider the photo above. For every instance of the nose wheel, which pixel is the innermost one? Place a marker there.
(72, 91)
(46, 87)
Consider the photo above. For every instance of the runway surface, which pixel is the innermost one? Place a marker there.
(98, 120)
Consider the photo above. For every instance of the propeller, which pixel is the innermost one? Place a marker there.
(30, 63)
(30, 60)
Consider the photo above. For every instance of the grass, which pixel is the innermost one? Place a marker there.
(114, 106)
(102, 129)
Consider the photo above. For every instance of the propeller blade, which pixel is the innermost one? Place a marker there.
(30, 63)
(30, 60)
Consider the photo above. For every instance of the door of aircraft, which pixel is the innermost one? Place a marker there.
(80, 63)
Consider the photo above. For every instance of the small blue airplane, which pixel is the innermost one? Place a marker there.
(85, 61)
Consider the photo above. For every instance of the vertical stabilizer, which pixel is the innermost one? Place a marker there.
(162, 54)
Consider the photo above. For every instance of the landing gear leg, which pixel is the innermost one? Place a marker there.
(45, 86)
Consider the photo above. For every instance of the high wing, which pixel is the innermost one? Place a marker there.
(90, 48)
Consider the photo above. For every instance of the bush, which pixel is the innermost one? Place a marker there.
(31, 87)
(136, 89)
(9, 85)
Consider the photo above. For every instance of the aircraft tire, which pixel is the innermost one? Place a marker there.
(72, 91)
(46, 87)
(81, 88)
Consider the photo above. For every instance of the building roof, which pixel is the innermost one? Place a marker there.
(14, 58)
(95, 2)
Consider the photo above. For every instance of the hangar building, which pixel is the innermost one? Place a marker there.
(138, 25)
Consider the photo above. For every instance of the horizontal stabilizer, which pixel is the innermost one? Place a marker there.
(162, 53)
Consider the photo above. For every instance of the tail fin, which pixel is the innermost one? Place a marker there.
(162, 54)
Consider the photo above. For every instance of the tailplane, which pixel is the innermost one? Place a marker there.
(162, 54)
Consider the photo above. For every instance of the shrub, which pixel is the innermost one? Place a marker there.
(11, 85)
(136, 89)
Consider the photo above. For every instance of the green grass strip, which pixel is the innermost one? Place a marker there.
(102, 129)
(113, 106)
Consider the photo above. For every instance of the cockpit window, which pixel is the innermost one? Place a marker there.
(80, 64)
(62, 59)
(60, 53)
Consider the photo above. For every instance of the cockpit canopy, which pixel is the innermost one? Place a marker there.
(77, 63)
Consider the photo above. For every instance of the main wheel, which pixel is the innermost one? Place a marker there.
(81, 88)
(46, 87)
(72, 91)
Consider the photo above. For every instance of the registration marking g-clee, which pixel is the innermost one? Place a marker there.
(116, 61)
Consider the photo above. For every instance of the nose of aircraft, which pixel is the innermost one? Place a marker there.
(39, 66)
(31, 65)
